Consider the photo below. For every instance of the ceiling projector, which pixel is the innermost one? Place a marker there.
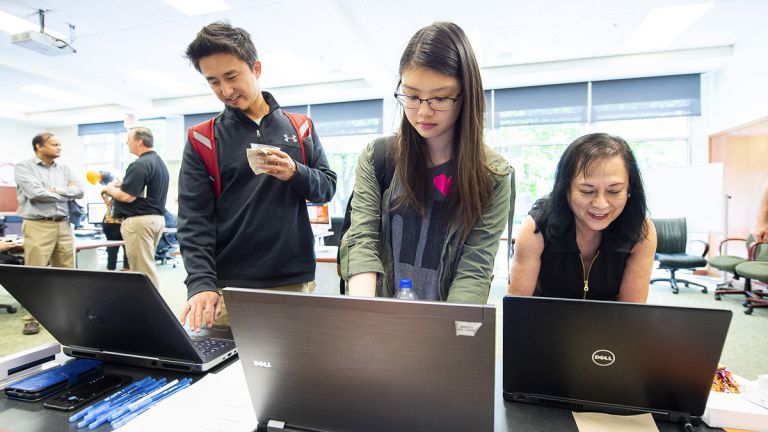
(42, 43)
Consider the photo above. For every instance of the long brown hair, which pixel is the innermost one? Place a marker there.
(443, 47)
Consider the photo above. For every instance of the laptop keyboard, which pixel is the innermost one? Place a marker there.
(209, 346)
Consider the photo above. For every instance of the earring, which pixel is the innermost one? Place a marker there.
(629, 195)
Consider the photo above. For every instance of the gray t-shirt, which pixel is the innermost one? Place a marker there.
(417, 242)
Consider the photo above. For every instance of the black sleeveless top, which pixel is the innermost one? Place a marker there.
(562, 273)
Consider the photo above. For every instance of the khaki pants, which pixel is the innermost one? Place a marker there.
(48, 243)
(141, 235)
(223, 320)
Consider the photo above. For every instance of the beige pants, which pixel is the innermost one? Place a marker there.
(141, 235)
(223, 320)
(48, 243)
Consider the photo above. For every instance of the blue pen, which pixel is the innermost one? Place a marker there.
(123, 408)
(136, 384)
(106, 408)
(149, 400)
(107, 415)
(126, 418)
(102, 415)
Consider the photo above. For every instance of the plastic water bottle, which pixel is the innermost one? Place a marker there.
(405, 292)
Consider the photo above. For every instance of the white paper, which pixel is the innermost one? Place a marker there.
(216, 403)
(467, 328)
(600, 422)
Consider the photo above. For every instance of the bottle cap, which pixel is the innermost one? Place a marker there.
(406, 283)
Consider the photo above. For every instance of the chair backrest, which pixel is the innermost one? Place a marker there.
(757, 252)
(336, 225)
(671, 235)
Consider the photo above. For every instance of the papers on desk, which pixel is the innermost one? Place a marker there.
(599, 422)
(216, 403)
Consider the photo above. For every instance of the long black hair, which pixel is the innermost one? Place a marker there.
(581, 156)
(444, 47)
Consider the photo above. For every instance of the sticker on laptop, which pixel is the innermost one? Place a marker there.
(467, 328)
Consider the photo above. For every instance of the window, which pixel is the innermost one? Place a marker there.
(345, 129)
(532, 126)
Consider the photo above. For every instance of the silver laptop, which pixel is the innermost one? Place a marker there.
(337, 363)
(622, 358)
(112, 316)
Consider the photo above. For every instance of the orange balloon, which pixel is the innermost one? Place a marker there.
(93, 177)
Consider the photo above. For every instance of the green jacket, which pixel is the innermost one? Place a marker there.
(466, 269)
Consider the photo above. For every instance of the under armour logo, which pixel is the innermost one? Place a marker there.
(290, 138)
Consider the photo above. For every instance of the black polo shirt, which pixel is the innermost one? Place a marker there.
(147, 179)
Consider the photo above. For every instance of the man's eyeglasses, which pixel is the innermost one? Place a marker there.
(435, 103)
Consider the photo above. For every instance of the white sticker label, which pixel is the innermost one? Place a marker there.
(467, 328)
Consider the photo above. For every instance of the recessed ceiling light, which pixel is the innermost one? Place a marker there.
(198, 7)
(663, 26)
(55, 94)
(161, 80)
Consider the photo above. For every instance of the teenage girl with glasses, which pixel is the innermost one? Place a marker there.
(439, 220)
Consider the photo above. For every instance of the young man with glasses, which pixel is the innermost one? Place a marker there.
(256, 232)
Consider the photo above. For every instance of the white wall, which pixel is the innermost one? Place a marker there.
(17, 140)
(740, 90)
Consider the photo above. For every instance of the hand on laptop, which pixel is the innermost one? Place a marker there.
(200, 305)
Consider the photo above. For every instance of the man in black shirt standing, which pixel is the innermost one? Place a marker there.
(140, 200)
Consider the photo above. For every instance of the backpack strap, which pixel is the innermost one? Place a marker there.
(303, 126)
(383, 161)
(203, 141)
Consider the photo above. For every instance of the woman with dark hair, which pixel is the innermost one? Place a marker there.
(439, 220)
(590, 238)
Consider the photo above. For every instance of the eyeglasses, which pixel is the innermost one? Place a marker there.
(435, 103)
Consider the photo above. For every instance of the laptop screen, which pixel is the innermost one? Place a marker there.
(347, 364)
(597, 355)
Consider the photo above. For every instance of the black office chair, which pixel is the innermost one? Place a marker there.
(168, 244)
(671, 246)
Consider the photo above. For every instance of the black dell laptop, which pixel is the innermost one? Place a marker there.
(112, 316)
(620, 358)
(349, 364)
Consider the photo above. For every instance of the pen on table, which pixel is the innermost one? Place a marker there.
(127, 389)
(186, 382)
(126, 407)
(154, 398)
(102, 415)
(97, 411)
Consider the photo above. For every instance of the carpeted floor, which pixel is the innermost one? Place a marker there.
(745, 349)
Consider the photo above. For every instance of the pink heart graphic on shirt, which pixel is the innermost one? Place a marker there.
(442, 183)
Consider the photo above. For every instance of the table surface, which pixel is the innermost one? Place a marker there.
(18, 416)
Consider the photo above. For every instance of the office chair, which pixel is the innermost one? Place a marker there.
(671, 245)
(727, 264)
(336, 225)
(168, 244)
(755, 268)
(166, 247)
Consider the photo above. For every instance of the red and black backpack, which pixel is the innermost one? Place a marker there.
(203, 140)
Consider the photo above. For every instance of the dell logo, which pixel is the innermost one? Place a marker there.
(603, 358)
(262, 364)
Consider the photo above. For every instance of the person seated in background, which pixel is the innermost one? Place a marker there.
(111, 226)
(440, 219)
(590, 238)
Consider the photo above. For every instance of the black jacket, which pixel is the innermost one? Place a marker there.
(256, 233)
